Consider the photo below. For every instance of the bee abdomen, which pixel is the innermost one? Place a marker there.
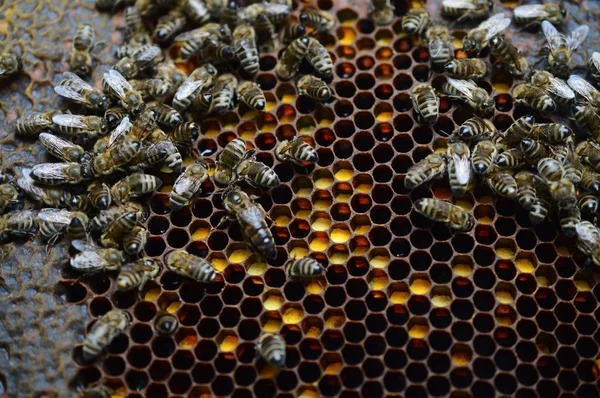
(306, 267)
(177, 201)
(262, 238)
(272, 349)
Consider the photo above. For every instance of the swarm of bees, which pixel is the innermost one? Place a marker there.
(115, 144)
(539, 165)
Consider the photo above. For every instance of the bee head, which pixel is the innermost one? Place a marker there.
(468, 44)
(563, 11)
(495, 41)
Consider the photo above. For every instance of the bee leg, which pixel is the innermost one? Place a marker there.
(143, 283)
(222, 221)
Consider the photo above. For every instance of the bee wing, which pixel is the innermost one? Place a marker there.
(120, 131)
(146, 54)
(464, 86)
(26, 183)
(55, 145)
(68, 120)
(462, 4)
(595, 59)
(198, 6)
(77, 81)
(496, 24)
(577, 37)
(186, 183)
(554, 38)
(192, 34)
(117, 82)
(38, 119)
(531, 11)
(88, 260)
(461, 165)
(436, 46)
(55, 171)
(83, 245)
(188, 87)
(69, 92)
(57, 216)
(582, 87)
(560, 88)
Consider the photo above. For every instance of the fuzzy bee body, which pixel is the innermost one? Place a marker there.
(588, 240)
(468, 91)
(472, 68)
(196, 268)
(560, 48)
(188, 184)
(314, 88)
(289, 63)
(459, 169)
(169, 26)
(540, 208)
(426, 103)
(134, 185)
(118, 87)
(35, 123)
(503, 50)
(415, 21)
(166, 324)
(137, 274)
(440, 46)
(49, 196)
(200, 79)
(520, 129)
(104, 331)
(151, 88)
(61, 149)
(483, 156)
(432, 167)
(318, 56)
(588, 204)
(503, 184)
(467, 9)
(438, 210)
(320, 21)
(569, 218)
(83, 43)
(251, 217)
(292, 31)
(74, 88)
(296, 151)
(256, 173)
(92, 259)
(534, 150)
(250, 94)
(534, 97)
(513, 158)
(10, 64)
(530, 15)
(57, 173)
(224, 92)
(304, 268)
(233, 152)
(185, 134)
(116, 156)
(272, 349)
(244, 40)
(167, 116)
(476, 128)
(118, 229)
(478, 39)
(526, 190)
(135, 241)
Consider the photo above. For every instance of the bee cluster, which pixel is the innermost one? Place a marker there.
(543, 166)
(113, 148)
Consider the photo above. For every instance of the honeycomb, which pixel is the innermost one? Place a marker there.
(405, 307)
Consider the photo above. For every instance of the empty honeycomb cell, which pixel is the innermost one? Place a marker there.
(421, 239)
(160, 204)
(585, 302)
(136, 380)
(364, 120)
(139, 356)
(144, 311)
(403, 82)
(113, 366)
(100, 306)
(421, 73)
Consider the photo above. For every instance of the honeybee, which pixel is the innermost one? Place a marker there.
(265, 33)
(137, 274)
(166, 324)
(118, 134)
(440, 46)
(152, 155)
(250, 94)
(426, 103)
(520, 129)
(290, 60)
(256, 173)
(106, 217)
(554, 133)
(503, 184)
(167, 116)
(474, 68)
(201, 78)
(201, 104)
(49, 196)
(135, 185)
(561, 189)
(560, 47)
(10, 64)
(231, 155)
(589, 153)
(415, 21)
(9, 197)
(526, 188)
(459, 169)
(118, 229)
(217, 52)
(432, 167)
(541, 207)
(188, 184)
(272, 349)
(320, 21)
(77, 228)
(185, 134)
(194, 40)
(252, 219)
(116, 156)
(304, 268)
(152, 88)
(569, 218)
(586, 90)
(438, 210)
(296, 151)
(84, 43)
(173, 160)
(573, 166)
(467, 9)
(135, 32)
(590, 180)
(504, 51)
(478, 39)
(511, 159)
(533, 150)
(276, 12)
(71, 125)
(76, 89)
(291, 32)
(57, 173)
(468, 91)
(483, 156)
(135, 241)
(168, 72)
(196, 268)
(196, 11)
(115, 84)
(114, 116)
(104, 331)
(534, 97)
(169, 26)
(244, 42)
(553, 86)
(476, 127)
(588, 241)
(229, 14)
(314, 88)
(99, 194)
(594, 66)
(319, 58)
(62, 149)
(91, 259)
(17, 223)
(550, 169)
(223, 92)
(143, 126)
(588, 204)
(587, 118)
(534, 14)
(35, 123)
